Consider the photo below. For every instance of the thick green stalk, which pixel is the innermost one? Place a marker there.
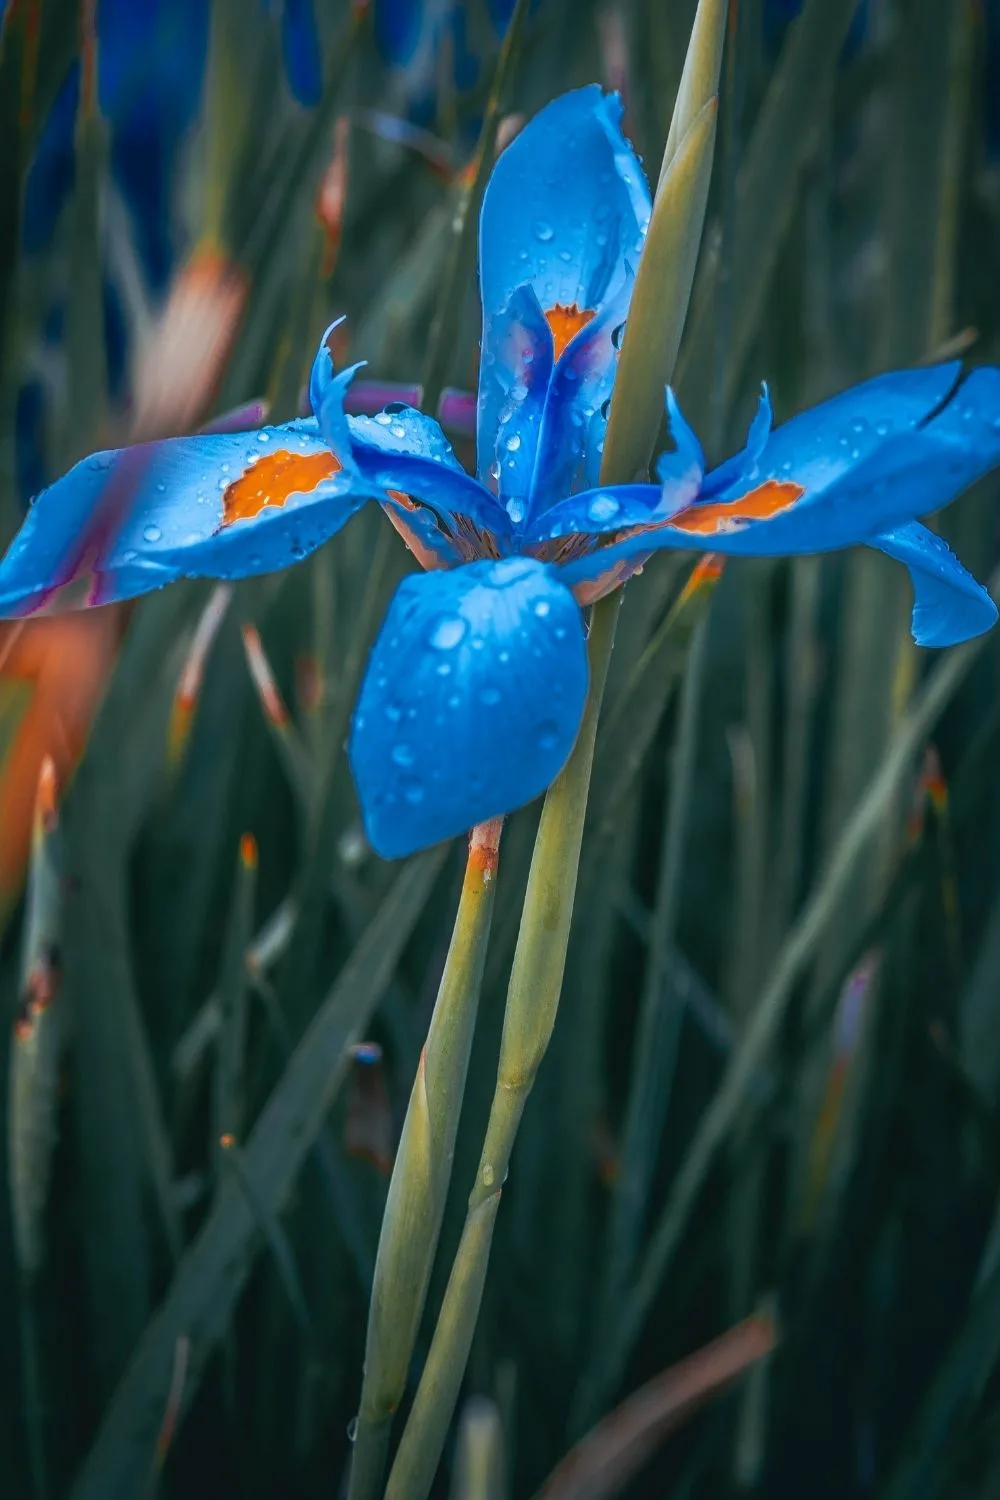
(422, 1170)
(532, 1001)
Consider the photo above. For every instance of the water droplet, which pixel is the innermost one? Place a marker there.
(394, 406)
(383, 418)
(263, 437)
(489, 697)
(489, 1175)
(517, 510)
(617, 334)
(882, 428)
(542, 608)
(603, 508)
(447, 632)
(393, 712)
(398, 430)
(130, 555)
(152, 534)
(565, 255)
(402, 754)
(547, 735)
(859, 425)
(413, 790)
(543, 231)
(161, 489)
(513, 442)
(518, 391)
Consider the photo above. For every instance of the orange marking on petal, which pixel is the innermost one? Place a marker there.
(767, 500)
(272, 479)
(565, 322)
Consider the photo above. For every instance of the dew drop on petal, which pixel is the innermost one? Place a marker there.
(542, 608)
(603, 508)
(543, 231)
(547, 735)
(489, 697)
(513, 442)
(447, 632)
(263, 437)
(402, 754)
(152, 534)
(413, 790)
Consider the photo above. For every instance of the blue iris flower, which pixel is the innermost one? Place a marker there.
(476, 684)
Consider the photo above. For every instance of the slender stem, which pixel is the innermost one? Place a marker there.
(532, 1001)
(419, 1184)
(658, 1028)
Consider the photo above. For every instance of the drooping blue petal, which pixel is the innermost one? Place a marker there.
(513, 382)
(949, 606)
(222, 505)
(399, 449)
(565, 209)
(471, 703)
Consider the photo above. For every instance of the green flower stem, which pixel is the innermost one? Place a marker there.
(420, 1176)
(532, 1001)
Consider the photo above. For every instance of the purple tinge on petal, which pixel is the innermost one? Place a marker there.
(223, 505)
(471, 702)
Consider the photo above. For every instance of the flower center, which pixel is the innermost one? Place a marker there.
(565, 322)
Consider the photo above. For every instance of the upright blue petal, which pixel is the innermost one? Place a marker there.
(221, 505)
(566, 207)
(565, 212)
(577, 403)
(471, 703)
(399, 449)
(513, 384)
(949, 606)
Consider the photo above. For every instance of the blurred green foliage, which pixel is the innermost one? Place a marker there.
(775, 1079)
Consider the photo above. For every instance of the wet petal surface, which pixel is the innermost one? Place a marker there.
(471, 702)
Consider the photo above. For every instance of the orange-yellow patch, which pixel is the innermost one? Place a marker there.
(272, 479)
(767, 500)
(565, 322)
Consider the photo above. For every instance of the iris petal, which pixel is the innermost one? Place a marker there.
(576, 415)
(471, 702)
(949, 606)
(220, 505)
(399, 449)
(513, 381)
(821, 446)
(565, 209)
